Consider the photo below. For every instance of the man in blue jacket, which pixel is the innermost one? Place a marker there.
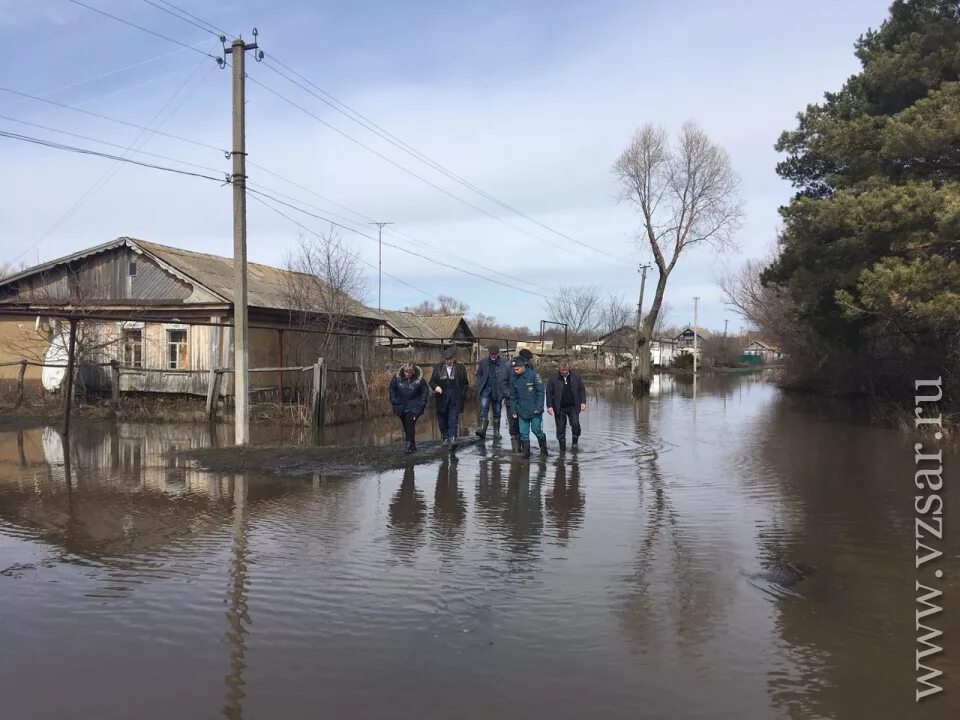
(493, 389)
(566, 399)
(526, 403)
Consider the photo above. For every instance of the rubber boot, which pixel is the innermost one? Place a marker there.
(543, 445)
(576, 438)
(413, 446)
(562, 442)
(408, 447)
(453, 443)
(515, 444)
(526, 449)
(482, 430)
(446, 440)
(496, 429)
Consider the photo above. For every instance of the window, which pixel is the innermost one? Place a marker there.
(133, 348)
(132, 269)
(177, 349)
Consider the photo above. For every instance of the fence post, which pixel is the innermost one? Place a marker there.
(391, 350)
(115, 380)
(23, 370)
(213, 391)
(315, 392)
(363, 388)
(323, 393)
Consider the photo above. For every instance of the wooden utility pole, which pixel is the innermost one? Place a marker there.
(641, 352)
(241, 395)
(380, 264)
(696, 331)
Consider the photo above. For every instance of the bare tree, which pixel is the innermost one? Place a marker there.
(614, 314)
(482, 324)
(687, 195)
(325, 284)
(578, 307)
(10, 268)
(445, 305)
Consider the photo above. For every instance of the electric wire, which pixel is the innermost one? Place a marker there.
(376, 129)
(144, 29)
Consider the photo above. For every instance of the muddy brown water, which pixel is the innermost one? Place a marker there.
(621, 582)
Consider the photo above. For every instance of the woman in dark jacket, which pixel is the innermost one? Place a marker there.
(408, 396)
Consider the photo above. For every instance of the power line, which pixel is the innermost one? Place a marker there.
(376, 129)
(315, 233)
(108, 143)
(110, 119)
(143, 29)
(420, 177)
(108, 156)
(109, 73)
(393, 231)
(433, 261)
(184, 19)
(198, 19)
(132, 148)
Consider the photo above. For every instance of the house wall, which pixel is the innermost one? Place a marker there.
(18, 341)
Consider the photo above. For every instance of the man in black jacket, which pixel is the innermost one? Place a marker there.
(449, 384)
(566, 399)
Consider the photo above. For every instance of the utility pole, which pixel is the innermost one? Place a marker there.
(696, 331)
(643, 283)
(725, 321)
(241, 397)
(380, 265)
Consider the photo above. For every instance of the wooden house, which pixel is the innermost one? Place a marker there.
(684, 340)
(157, 309)
(765, 351)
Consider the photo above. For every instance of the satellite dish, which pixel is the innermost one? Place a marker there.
(57, 354)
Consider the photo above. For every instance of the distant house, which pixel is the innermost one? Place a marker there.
(157, 310)
(764, 350)
(402, 329)
(684, 340)
(535, 346)
(620, 343)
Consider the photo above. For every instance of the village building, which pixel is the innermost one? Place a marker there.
(156, 311)
(684, 340)
(421, 338)
(764, 350)
(617, 348)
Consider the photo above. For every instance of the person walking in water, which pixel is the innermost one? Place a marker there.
(566, 399)
(449, 384)
(408, 396)
(526, 402)
(493, 389)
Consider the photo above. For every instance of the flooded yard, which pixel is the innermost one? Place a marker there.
(729, 553)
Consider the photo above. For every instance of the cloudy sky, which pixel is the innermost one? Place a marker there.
(529, 102)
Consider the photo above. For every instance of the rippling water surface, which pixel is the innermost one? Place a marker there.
(627, 580)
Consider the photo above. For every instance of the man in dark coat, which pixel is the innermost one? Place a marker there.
(408, 397)
(493, 389)
(566, 399)
(449, 384)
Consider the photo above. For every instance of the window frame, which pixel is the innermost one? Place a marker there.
(181, 360)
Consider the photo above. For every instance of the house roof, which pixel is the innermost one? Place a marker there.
(763, 345)
(408, 325)
(444, 326)
(266, 285)
(701, 332)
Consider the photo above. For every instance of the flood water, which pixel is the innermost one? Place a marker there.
(619, 582)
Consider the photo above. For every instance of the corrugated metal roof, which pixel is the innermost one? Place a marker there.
(444, 326)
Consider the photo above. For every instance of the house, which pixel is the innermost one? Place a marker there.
(765, 351)
(400, 330)
(620, 343)
(535, 346)
(684, 340)
(156, 310)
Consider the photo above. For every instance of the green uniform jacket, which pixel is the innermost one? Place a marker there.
(526, 394)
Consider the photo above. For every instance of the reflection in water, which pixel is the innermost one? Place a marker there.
(124, 573)
(237, 614)
(407, 515)
(449, 505)
(565, 501)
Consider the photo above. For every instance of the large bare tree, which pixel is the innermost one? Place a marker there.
(445, 305)
(577, 307)
(614, 314)
(687, 194)
(324, 286)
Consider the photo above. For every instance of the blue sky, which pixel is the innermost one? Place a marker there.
(529, 101)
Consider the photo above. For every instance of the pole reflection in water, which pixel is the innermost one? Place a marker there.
(237, 613)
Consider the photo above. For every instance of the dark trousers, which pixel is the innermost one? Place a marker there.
(448, 420)
(409, 422)
(513, 423)
(561, 416)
